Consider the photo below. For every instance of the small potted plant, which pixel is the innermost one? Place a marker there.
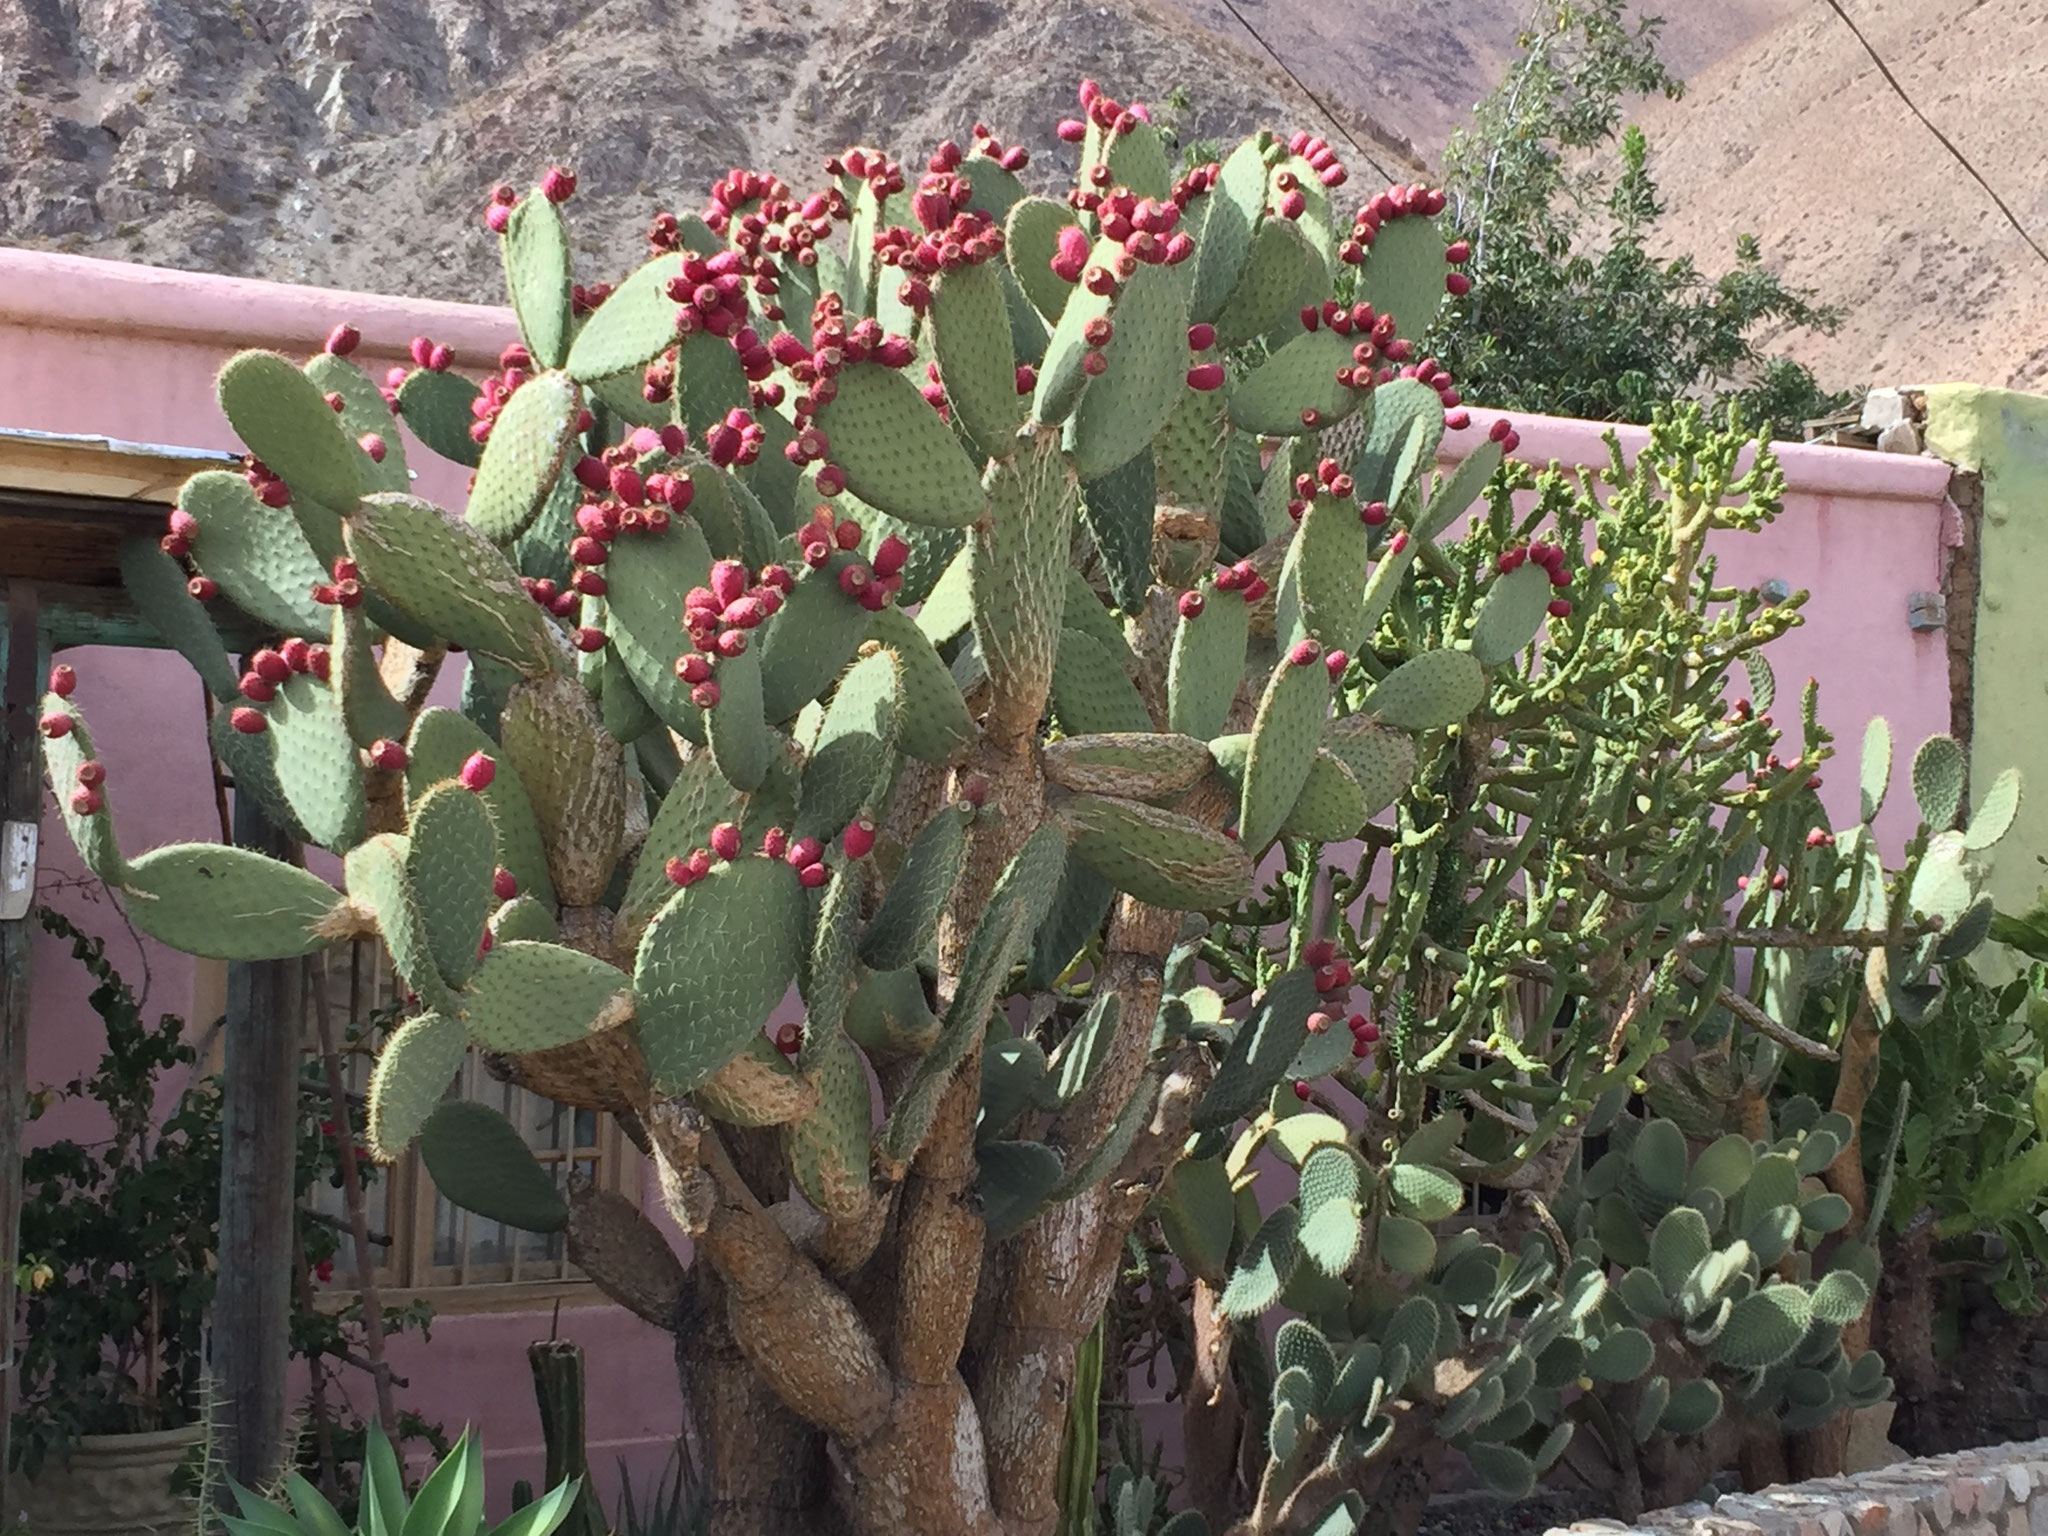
(117, 1242)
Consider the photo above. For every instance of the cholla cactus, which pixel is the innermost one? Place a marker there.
(846, 619)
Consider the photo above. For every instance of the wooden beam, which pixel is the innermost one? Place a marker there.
(252, 1301)
(21, 803)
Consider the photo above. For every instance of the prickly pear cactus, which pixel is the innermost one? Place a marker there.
(911, 630)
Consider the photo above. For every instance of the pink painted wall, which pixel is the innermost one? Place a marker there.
(130, 352)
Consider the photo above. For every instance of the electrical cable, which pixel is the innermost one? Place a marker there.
(1321, 105)
(1946, 143)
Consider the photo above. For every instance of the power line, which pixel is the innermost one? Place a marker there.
(1946, 143)
(1321, 105)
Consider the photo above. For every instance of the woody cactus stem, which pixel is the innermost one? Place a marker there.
(873, 603)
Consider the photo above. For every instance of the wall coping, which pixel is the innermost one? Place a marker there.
(46, 291)
(1997, 1490)
(85, 294)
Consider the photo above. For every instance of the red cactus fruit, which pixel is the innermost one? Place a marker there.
(205, 588)
(373, 445)
(318, 659)
(55, 724)
(343, 339)
(859, 839)
(497, 217)
(91, 773)
(257, 689)
(250, 722)
(805, 851)
(504, 884)
(725, 840)
(1191, 605)
(297, 654)
(705, 695)
(478, 771)
(559, 184)
(1094, 363)
(1336, 662)
(1205, 376)
(1303, 1092)
(891, 555)
(1457, 285)
(811, 876)
(63, 680)
(85, 801)
(789, 1039)
(387, 755)
(589, 640)
(774, 843)
(1304, 652)
(1318, 953)
(1319, 1022)
(1560, 607)
(270, 666)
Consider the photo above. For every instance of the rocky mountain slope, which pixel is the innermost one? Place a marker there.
(1796, 139)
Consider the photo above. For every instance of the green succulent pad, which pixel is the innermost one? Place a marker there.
(482, 1164)
(1268, 284)
(1407, 424)
(256, 553)
(1515, 607)
(1381, 758)
(1086, 612)
(537, 275)
(1091, 693)
(451, 856)
(1223, 231)
(828, 1149)
(1331, 807)
(810, 640)
(524, 918)
(935, 725)
(367, 707)
(1207, 664)
(1460, 489)
(286, 422)
(573, 775)
(1158, 856)
(223, 903)
(757, 1087)
(712, 966)
(1144, 377)
(1193, 451)
(1940, 781)
(645, 577)
(252, 761)
(1138, 765)
(375, 870)
(1429, 692)
(1022, 896)
(1017, 570)
(737, 726)
(896, 451)
(1031, 235)
(1275, 398)
(313, 761)
(698, 800)
(441, 572)
(534, 996)
(529, 444)
(889, 1017)
(442, 741)
(631, 328)
(1013, 1183)
(1265, 1266)
(970, 333)
(363, 411)
(1061, 379)
(156, 583)
(1260, 1051)
(849, 762)
(1117, 509)
(435, 404)
(908, 919)
(414, 1068)
(1285, 734)
(91, 834)
(1322, 584)
(1404, 273)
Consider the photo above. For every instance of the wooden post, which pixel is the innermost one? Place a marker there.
(252, 1301)
(21, 806)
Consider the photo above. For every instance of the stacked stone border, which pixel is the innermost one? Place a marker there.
(1996, 1490)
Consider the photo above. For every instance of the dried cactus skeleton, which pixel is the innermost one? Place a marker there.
(944, 697)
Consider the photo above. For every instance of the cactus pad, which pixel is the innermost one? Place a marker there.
(157, 584)
(573, 775)
(935, 725)
(757, 1087)
(257, 554)
(532, 438)
(1513, 612)
(1138, 765)
(1459, 489)
(889, 1017)
(1429, 692)
(1404, 273)
(1268, 285)
(537, 273)
(379, 885)
(1322, 585)
(1223, 237)
(1299, 378)
(970, 330)
(1265, 1266)
(452, 850)
(480, 1163)
(363, 410)
(897, 453)
(435, 404)
(1381, 758)
(631, 328)
(809, 641)
(532, 996)
(1144, 378)
(908, 918)
(224, 903)
(1940, 779)
(442, 741)
(1331, 807)
(1285, 734)
(286, 422)
(1159, 856)
(313, 761)
(1260, 1051)
(1331, 1212)
(849, 762)
(712, 966)
(1031, 235)
(1207, 664)
(1764, 1328)
(1091, 693)
(828, 1148)
(446, 575)
(1017, 572)
(414, 1069)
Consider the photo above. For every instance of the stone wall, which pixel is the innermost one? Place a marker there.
(1999, 1490)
